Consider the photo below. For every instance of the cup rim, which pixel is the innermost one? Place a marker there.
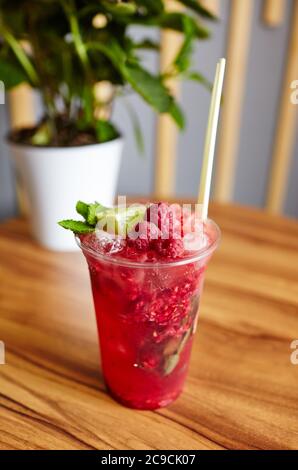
(197, 256)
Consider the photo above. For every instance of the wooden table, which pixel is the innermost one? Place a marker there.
(242, 390)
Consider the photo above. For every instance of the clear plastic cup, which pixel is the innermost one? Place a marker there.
(146, 316)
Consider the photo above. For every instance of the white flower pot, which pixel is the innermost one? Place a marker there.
(55, 178)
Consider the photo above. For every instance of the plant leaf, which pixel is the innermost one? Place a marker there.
(137, 130)
(90, 211)
(128, 8)
(82, 209)
(11, 75)
(93, 210)
(155, 7)
(175, 20)
(177, 114)
(171, 363)
(105, 131)
(182, 60)
(198, 77)
(76, 226)
(173, 359)
(146, 44)
(196, 6)
(171, 20)
(149, 87)
(42, 136)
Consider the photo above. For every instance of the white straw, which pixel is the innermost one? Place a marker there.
(209, 148)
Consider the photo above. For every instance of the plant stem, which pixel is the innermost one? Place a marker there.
(20, 55)
(79, 45)
(81, 49)
(48, 96)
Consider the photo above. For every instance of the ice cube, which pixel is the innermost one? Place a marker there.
(109, 243)
(195, 241)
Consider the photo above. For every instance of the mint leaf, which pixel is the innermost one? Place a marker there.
(171, 363)
(93, 210)
(172, 360)
(114, 220)
(76, 226)
(82, 209)
(89, 211)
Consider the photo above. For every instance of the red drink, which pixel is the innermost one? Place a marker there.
(146, 310)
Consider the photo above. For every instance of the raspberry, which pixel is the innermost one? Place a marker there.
(160, 215)
(140, 244)
(147, 230)
(139, 240)
(166, 233)
(168, 218)
(149, 359)
(169, 249)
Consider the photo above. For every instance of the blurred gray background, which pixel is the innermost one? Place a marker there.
(265, 67)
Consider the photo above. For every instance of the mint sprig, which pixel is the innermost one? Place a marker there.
(121, 220)
(88, 212)
(77, 226)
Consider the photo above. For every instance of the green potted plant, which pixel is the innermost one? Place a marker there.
(68, 50)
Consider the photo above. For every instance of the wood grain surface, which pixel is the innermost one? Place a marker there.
(242, 388)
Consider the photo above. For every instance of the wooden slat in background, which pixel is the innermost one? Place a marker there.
(167, 133)
(284, 141)
(239, 28)
(22, 108)
(274, 12)
(212, 5)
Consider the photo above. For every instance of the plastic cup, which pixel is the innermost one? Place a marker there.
(146, 316)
